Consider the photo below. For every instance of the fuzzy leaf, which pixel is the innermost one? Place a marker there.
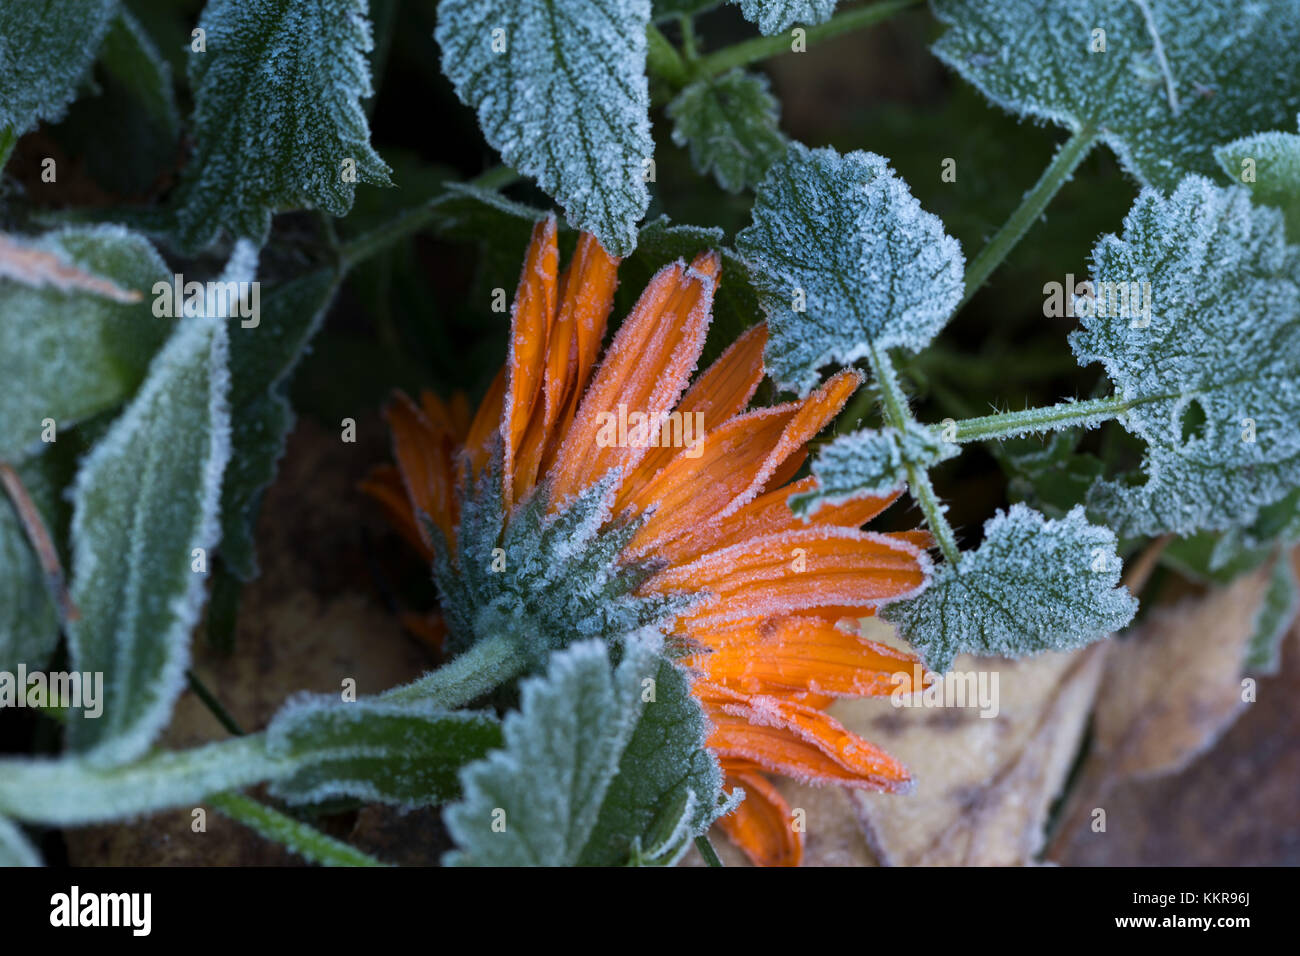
(405, 754)
(145, 498)
(591, 773)
(78, 332)
(777, 16)
(1220, 358)
(45, 50)
(261, 360)
(277, 114)
(15, 849)
(870, 462)
(1269, 164)
(1177, 77)
(560, 91)
(844, 235)
(1274, 618)
(1034, 584)
(730, 123)
(133, 60)
(29, 627)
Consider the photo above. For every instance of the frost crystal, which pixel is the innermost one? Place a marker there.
(277, 120)
(15, 850)
(45, 50)
(1034, 584)
(29, 628)
(1269, 164)
(601, 766)
(560, 90)
(730, 123)
(777, 16)
(1164, 81)
(846, 261)
(1212, 370)
(870, 463)
(145, 521)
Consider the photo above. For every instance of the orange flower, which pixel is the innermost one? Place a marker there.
(765, 650)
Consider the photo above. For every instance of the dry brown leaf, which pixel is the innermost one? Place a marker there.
(36, 267)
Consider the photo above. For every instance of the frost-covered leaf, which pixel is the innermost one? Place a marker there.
(261, 360)
(77, 330)
(1047, 472)
(846, 261)
(45, 50)
(1213, 381)
(672, 9)
(278, 122)
(29, 627)
(870, 462)
(131, 58)
(1176, 78)
(777, 16)
(1269, 165)
(560, 91)
(15, 849)
(1033, 584)
(145, 522)
(1273, 620)
(730, 124)
(406, 754)
(601, 766)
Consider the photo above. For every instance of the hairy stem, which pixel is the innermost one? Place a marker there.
(305, 840)
(481, 669)
(663, 60)
(899, 415)
(705, 847)
(760, 48)
(1049, 418)
(1057, 173)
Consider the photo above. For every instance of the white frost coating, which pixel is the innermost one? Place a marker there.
(1034, 584)
(560, 91)
(1224, 339)
(777, 16)
(870, 463)
(1275, 158)
(45, 50)
(277, 112)
(873, 269)
(730, 123)
(15, 850)
(589, 766)
(144, 498)
(1033, 58)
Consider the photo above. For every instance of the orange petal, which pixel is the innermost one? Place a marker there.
(423, 454)
(487, 422)
(795, 740)
(384, 485)
(644, 371)
(762, 825)
(795, 570)
(530, 327)
(429, 628)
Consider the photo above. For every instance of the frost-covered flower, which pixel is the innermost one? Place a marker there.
(557, 513)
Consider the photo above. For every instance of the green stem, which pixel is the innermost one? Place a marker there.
(899, 416)
(710, 855)
(760, 48)
(1035, 420)
(1057, 173)
(484, 667)
(214, 706)
(663, 60)
(305, 840)
(7, 143)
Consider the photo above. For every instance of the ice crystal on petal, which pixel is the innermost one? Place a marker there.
(1034, 584)
(560, 90)
(846, 261)
(1164, 81)
(1211, 369)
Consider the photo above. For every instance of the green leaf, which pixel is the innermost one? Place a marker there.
(671, 9)
(846, 262)
(777, 16)
(146, 497)
(262, 358)
(29, 627)
(406, 754)
(1273, 620)
(1176, 78)
(560, 91)
(1047, 472)
(15, 849)
(592, 773)
(730, 123)
(1208, 364)
(1269, 165)
(1033, 584)
(870, 463)
(133, 60)
(73, 343)
(278, 122)
(45, 50)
